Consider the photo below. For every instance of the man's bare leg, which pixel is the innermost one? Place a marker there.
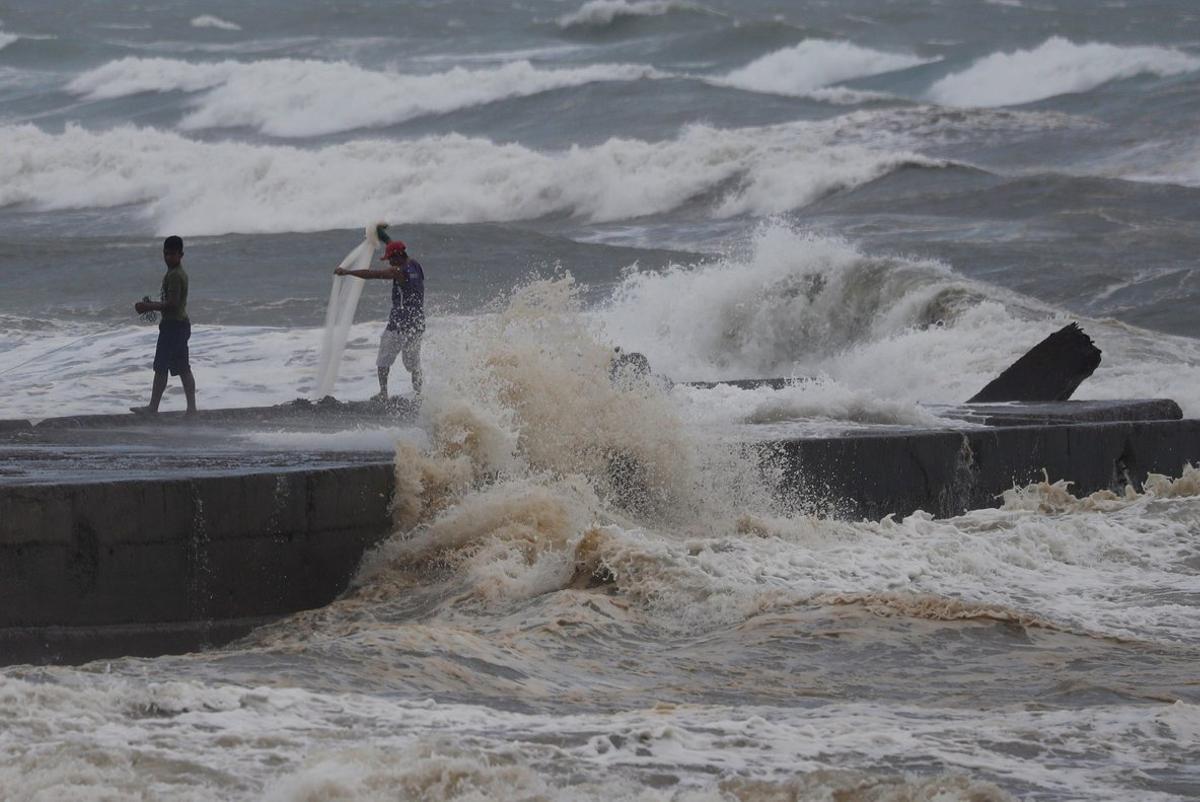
(383, 380)
(412, 362)
(156, 394)
(189, 390)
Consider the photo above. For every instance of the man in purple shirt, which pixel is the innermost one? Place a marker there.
(406, 323)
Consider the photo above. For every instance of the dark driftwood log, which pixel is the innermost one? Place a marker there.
(1050, 371)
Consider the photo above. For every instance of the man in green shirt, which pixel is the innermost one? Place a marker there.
(171, 353)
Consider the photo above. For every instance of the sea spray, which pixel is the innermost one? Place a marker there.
(789, 302)
(339, 315)
(535, 450)
(516, 499)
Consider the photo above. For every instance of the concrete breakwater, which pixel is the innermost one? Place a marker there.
(151, 566)
(106, 564)
(946, 473)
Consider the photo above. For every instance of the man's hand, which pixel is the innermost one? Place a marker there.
(141, 307)
(340, 271)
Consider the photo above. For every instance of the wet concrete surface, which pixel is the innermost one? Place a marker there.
(289, 437)
(38, 456)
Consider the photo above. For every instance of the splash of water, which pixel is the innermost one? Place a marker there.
(536, 450)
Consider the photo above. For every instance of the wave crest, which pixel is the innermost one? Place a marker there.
(815, 63)
(599, 13)
(1056, 67)
(306, 98)
(795, 299)
(209, 21)
(220, 187)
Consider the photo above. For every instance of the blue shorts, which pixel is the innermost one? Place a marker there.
(171, 354)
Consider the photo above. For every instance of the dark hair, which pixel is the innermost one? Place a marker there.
(173, 243)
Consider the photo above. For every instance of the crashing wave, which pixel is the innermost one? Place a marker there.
(801, 70)
(793, 306)
(306, 98)
(1056, 67)
(219, 187)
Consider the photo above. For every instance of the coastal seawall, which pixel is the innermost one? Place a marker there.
(146, 566)
(946, 473)
(118, 566)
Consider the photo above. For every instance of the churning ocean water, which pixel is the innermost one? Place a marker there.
(896, 198)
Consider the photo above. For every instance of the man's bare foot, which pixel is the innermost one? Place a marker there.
(380, 396)
(143, 411)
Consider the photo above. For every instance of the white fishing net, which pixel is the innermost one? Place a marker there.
(339, 315)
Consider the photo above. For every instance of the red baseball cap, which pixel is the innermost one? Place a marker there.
(394, 247)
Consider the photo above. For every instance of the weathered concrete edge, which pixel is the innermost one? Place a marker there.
(948, 473)
(80, 644)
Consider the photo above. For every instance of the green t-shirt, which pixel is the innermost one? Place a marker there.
(174, 291)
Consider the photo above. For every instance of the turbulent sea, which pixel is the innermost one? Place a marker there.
(894, 199)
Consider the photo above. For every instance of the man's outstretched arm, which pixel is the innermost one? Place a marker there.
(387, 272)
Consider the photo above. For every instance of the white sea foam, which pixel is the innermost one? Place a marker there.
(305, 98)
(216, 187)
(603, 12)
(1042, 559)
(536, 381)
(209, 21)
(128, 737)
(1056, 67)
(795, 301)
(1053, 567)
(802, 305)
(814, 404)
(7, 39)
(812, 64)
